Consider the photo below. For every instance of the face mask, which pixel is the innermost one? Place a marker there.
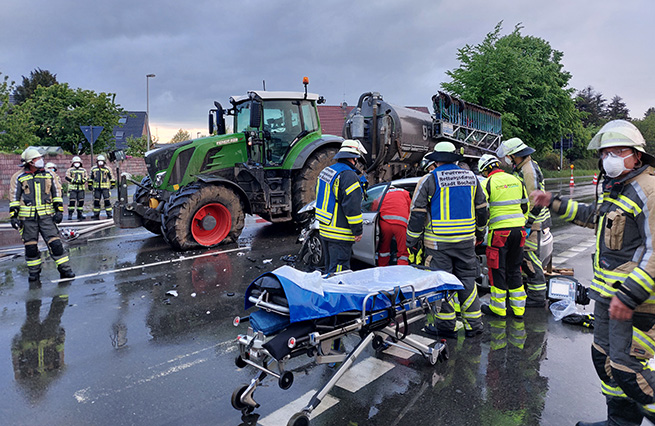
(39, 163)
(101, 163)
(614, 165)
(508, 160)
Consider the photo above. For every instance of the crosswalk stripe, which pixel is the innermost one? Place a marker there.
(364, 373)
(281, 416)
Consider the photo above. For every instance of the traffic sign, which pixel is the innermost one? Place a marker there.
(91, 133)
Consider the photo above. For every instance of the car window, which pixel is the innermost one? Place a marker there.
(372, 201)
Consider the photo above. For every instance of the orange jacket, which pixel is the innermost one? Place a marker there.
(395, 206)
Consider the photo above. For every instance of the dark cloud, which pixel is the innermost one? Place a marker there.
(203, 51)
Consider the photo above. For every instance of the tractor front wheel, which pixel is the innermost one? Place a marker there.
(142, 196)
(202, 215)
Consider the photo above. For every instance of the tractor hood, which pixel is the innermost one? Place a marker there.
(160, 158)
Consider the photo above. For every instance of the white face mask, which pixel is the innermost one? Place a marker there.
(101, 163)
(77, 165)
(615, 165)
(508, 160)
(39, 163)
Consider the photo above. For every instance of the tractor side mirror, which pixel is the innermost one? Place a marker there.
(255, 114)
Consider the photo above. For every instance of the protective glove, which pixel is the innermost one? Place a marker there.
(113, 185)
(15, 223)
(58, 217)
(413, 251)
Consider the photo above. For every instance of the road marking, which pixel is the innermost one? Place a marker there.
(404, 353)
(147, 265)
(121, 236)
(282, 415)
(576, 250)
(87, 395)
(364, 373)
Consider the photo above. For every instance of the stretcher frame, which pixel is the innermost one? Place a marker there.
(382, 329)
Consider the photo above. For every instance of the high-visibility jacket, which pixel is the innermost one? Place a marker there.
(507, 199)
(456, 205)
(35, 194)
(395, 206)
(339, 203)
(530, 173)
(76, 177)
(624, 219)
(101, 177)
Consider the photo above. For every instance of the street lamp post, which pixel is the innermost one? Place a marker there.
(148, 106)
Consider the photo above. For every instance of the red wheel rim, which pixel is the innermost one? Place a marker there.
(211, 224)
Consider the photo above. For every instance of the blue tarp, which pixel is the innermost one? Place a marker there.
(311, 296)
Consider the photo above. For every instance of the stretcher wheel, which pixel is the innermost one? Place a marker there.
(299, 419)
(240, 362)
(379, 344)
(286, 380)
(444, 353)
(236, 401)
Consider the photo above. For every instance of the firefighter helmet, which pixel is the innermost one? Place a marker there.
(487, 161)
(618, 133)
(426, 163)
(51, 165)
(76, 159)
(514, 146)
(30, 154)
(444, 152)
(351, 148)
(101, 158)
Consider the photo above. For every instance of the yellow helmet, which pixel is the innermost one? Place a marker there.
(444, 152)
(514, 146)
(76, 159)
(101, 158)
(30, 154)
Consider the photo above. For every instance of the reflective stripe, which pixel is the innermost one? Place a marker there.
(392, 217)
(507, 202)
(639, 276)
(645, 341)
(612, 390)
(352, 187)
(384, 254)
(353, 220)
(34, 262)
(505, 217)
(61, 260)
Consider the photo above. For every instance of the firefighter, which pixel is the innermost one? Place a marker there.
(394, 215)
(416, 255)
(339, 196)
(450, 210)
(101, 180)
(623, 286)
(52, 168)
(518, 154)
(508, 212)
(36, 207)
(77, 178)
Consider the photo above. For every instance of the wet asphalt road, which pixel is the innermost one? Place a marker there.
(116, 349)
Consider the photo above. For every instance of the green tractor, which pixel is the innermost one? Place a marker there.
(197, 192)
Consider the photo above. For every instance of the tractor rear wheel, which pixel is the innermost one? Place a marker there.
(141, 197)
(304, 183)
(202, 215)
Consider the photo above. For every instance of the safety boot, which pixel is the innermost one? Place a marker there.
(34, 280)
(109, 214)
(602, 423)
(533, 303)
(80, 215)
(70, 215)
(66, 272)
(96, 216)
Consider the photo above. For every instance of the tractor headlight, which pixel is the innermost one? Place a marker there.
(159, 178)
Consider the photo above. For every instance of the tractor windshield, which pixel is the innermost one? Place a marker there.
(286, 121)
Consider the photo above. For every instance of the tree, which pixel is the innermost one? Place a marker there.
(522, 77)
(136, 147)
(58, 112)
(37, 78)
(181, 136)
(592, 105)
(647, 128)
(649, 111)
(16, 131)
(617, 110)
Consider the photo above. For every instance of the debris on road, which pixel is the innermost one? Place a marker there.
(171, 293)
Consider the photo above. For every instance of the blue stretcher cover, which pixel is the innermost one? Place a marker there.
(310, 296)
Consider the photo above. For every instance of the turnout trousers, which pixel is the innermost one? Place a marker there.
(627, 381)
(533, 269)
(504, 257)
(459, 259)
(388, 231)
(337, 255)
(30, 230)
(99, 193)
(75, 201)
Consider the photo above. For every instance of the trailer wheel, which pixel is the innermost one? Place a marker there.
(286, 380)
(304, 183)
(141, 197)
(202, 215)
(299, 419)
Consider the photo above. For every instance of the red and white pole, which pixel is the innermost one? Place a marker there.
(571, 183)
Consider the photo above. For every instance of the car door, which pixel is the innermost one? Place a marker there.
(365, 249)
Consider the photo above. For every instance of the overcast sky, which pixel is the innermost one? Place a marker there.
(209, 50)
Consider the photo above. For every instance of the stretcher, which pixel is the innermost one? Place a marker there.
(300, 313)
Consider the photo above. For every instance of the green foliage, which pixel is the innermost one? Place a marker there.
(37, 78)
(647, 129)
(592, 105)
(616, 110)
(136, 147)
(16, 131)
(58, 112)
(181, 136)
(523, 78)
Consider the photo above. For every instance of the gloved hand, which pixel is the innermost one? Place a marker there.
(15, 223)
(413, 250)
(58, 217)
(113, 185)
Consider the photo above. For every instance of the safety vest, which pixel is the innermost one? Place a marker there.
(332, 225)
(530, 173)
(77, 178)
(452, 206)
(395, 207)
(508, 200)
(35, 194)
(101, 177)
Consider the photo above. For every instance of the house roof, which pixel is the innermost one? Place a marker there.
(134, 126)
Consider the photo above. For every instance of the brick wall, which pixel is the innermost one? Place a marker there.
(9, 165)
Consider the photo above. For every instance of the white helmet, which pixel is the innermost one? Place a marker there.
(101, 158)
(351, 148)
(51, 165)
(76, 159)
(487, 161)
(30, 154)
(426, 163)
(618, 133)
(514, 146)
